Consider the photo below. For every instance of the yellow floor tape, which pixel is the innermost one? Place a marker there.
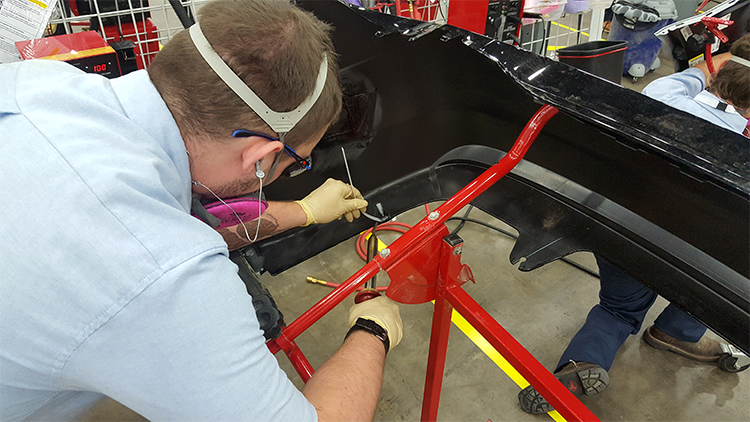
(462, 324)
(556, 47)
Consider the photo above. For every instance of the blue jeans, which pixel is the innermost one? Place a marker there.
(623, 304)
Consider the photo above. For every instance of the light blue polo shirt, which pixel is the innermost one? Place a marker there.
(679, 90)
(108, 286)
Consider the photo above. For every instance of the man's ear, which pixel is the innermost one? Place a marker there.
(256, 151)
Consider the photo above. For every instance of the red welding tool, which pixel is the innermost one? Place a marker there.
(366, 294)
(370, 291)
(85, 50)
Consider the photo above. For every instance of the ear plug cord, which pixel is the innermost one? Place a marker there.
(260, 216)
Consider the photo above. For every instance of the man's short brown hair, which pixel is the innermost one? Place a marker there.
(273, 46)
(732, 82)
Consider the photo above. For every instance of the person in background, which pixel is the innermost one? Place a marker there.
(110, 286)
(723, 99)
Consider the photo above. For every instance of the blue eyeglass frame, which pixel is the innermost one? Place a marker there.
(305, 163)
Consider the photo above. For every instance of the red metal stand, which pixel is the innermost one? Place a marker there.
(424, 264)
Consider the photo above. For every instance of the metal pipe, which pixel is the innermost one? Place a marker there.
(372, 251)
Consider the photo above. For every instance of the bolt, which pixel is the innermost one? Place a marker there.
(434, 215)
(458, 251)
(385, 252)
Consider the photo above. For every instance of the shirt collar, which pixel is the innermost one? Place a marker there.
(145, 107)
(713, 101)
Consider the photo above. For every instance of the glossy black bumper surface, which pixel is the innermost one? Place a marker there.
(655, 191)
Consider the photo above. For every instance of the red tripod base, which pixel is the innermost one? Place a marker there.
(425, 264)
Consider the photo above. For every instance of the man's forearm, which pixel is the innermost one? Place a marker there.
(278, 217)
(347, 386)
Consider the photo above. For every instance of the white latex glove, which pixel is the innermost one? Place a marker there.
(332, 200)
(383, 312)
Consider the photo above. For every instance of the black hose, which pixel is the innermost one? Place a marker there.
(463, 220)
(182, 14)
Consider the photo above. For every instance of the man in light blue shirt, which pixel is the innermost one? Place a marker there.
(687, 90)
(109, 286)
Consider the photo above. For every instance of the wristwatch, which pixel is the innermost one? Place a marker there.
(373, 328)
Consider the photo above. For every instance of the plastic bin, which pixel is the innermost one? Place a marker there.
(635, 22)
(600, 58)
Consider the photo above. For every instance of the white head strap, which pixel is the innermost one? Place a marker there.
(281, 123)
(740, 60)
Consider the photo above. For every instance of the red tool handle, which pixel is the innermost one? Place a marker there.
(369, 292)
(366, 294)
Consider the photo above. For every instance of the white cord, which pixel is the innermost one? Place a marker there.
(346, 163)
(260, 215)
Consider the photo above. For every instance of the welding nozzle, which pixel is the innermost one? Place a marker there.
(311, 279)
(314, 280)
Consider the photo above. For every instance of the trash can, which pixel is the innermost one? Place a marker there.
(600, 58)
(635, 22)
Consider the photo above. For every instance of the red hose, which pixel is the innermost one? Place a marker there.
(393, 226)
(361, 247)
(702, 5)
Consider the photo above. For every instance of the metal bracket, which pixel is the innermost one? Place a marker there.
(741, 358)
(414, 32)
(421, 30)
(388, 30)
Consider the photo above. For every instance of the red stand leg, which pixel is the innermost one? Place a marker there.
(441, 326)
(300, 363)
(295, 355)
(450, 273)
(543, 381)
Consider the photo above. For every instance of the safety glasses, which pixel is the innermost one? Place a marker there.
(300, 164)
